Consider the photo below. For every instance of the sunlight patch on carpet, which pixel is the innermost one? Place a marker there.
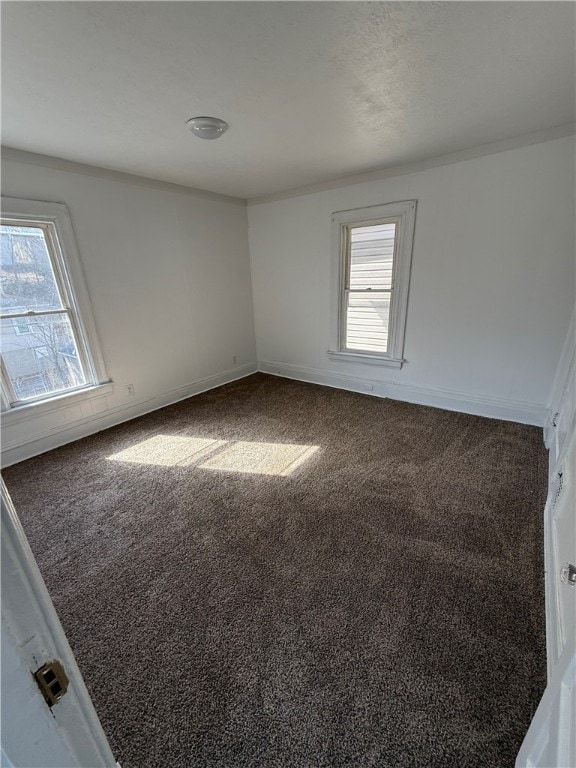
(260, 458)
(218, 455)
(168, 450)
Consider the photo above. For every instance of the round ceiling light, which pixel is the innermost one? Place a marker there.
(207, 127)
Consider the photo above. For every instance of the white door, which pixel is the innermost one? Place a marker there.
(34, 735)
(551, 739)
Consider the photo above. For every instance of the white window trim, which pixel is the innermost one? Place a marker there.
(65, 252)
(405, 214)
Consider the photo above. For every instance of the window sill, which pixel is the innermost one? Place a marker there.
(25, 411)
(366, 359)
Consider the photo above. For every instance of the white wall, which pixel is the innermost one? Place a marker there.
(491, 292)
(168, 274)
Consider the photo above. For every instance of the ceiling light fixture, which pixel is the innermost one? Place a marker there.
(207, 127)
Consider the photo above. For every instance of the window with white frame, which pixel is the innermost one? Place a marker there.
(373, 253)
(48, 343)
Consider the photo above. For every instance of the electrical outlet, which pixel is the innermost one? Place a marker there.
(130, 391)
(369, 387)
(234, 360)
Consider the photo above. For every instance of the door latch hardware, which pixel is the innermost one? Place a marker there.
(568, 574)
(52, 681)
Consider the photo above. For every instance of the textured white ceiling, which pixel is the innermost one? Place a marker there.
(312, 90)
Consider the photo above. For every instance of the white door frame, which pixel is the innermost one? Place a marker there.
(29, 619)
(551, 738)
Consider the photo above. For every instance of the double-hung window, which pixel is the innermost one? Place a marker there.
(373, 250)
(48, 343)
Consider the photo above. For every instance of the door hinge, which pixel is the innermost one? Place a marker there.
(52, 681)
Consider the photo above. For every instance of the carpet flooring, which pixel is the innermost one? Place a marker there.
(282, 575)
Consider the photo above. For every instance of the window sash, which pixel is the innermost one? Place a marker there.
(69, 309)
(346, 291)
(9, 387)
(364, 326)
(33, 313)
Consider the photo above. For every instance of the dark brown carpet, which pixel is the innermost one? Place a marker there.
(380, 606)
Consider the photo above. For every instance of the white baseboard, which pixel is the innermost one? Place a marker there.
(508, 410)
(478, 405)
(17, 451)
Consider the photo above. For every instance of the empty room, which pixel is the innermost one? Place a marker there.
(288, 385)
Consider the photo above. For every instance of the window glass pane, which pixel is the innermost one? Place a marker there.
(367, 322)
(27, 277)
(43, 361)
(371, 256)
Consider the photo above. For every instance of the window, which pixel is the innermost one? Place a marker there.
(48, 342)
(373, 251)
(21, 325)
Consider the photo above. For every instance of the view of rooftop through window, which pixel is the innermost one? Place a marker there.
(39, 350)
